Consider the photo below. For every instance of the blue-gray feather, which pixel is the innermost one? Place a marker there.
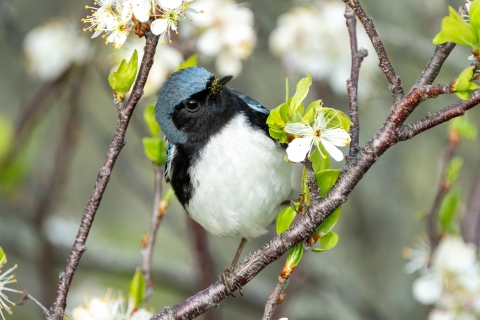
(255, 105)
(180, 86)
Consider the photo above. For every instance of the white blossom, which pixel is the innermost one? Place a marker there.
(330, 138)
(50, 49)
(141, 8)
(315, 39)
(225, 32)
(108, 308)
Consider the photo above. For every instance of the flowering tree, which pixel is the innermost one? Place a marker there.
(315, 133)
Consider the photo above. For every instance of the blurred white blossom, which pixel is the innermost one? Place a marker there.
(315, 39)
(452, 282)
(225, 32)
(109, 308)
(166, 61)
(50, 49)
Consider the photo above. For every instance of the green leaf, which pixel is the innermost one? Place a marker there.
(155, 149)
(149, 117)
(327, 242)
(474, 14)
(137, 288)
(305, 189)
(312, 110)
(3, 257)
(337, 119)
(447, 217)
(302, 91)
(464, 84)
(326, 179)
(6, 135)
(455, 29)
(463, 127)
(329, 222)
(123, 78)
(190, 62)
(295, 255)
(453, 170)
(319, 163)
(287, 90)
(285, 218)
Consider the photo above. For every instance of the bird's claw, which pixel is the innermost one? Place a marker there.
(224, 277)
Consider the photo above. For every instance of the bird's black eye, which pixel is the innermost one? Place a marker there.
(191, 105)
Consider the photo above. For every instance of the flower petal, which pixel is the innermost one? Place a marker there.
(427, 289)
(297, 149)
(333, 151)
(159, 26)
(141, 9)
(338, 137)
(170, 4)
(299, 128)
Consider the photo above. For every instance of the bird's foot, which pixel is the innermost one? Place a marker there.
(229, 284)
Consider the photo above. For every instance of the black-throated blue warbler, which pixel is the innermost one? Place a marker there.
(225, 169)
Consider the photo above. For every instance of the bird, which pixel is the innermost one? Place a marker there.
(225, 169)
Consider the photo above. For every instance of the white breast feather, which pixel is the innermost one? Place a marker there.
(242, 181)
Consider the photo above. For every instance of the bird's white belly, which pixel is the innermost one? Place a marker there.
(242, 181)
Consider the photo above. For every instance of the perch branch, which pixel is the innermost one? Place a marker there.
(58, 308)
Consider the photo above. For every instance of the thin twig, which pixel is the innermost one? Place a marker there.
(58, 308)
(385, 64)
(443, 189)
(471, 219)
(352, 83)
(431, 71)
(311, 180)
(275, 298)
(157, 216)
(26, 296)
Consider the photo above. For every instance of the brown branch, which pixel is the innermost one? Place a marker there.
(58, 307)
(275, 298)
(352, 83)
(431, 71)
(385, 64)
(471, 220)
(311, 180)
(149, 244)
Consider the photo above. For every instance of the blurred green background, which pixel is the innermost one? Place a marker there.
(40, 207)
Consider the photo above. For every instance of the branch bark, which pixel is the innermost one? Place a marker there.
(385, 64)
(58, 308)
(352, 83)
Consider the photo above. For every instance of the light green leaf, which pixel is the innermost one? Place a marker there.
(287, 90)
(3, 257)
(149, 117)
(122, 79)
(337, 119)
(319, 163)
(474, 14)
(155, 149)
(463, 127)
(329, 222)
(137, 288)
(464, 84)
(455, 29)
(447, 217)
(302, 91)
(327, 242)
(326, 179)
(190, 62)
(453, 170)
(305, 189)
(285, 218)
(295, 255)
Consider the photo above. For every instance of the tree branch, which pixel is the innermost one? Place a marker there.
(157, 216)
(58, 307)
(385, 64)
(275, 298)
(431, 71)
(352, 83)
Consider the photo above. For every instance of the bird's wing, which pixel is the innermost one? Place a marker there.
(255, 105)
(168, 165)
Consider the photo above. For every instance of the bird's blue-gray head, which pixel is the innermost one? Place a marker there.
(193, 104)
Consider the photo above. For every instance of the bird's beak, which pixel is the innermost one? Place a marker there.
(223, 80)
